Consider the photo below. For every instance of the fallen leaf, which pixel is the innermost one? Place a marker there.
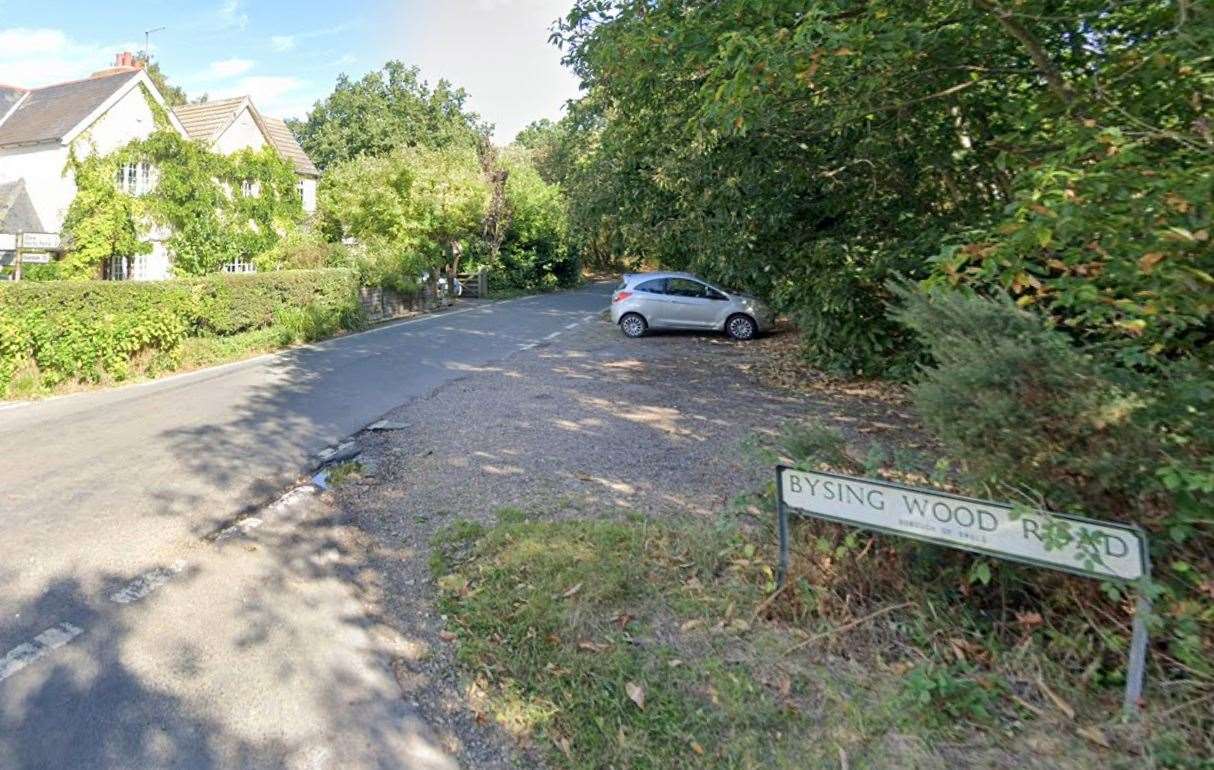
(572, 591)
(447, 636)
(1095, 736)
(636, 694)
(590, 646)
(563, 744)
(1148, 261)
(785, 685)
(623, 619)
(1029, 619)
(1062, 705)
(697, 748)
(694, 623)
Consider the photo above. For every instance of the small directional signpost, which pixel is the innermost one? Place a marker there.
(1095, 549)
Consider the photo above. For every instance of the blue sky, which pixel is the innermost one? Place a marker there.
(288, 54)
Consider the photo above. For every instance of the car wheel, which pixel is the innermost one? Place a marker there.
(741, 327)
(633, 325)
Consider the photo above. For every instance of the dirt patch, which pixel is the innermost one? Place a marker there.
(590, 425)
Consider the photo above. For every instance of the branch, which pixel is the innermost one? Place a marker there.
(1046, 67)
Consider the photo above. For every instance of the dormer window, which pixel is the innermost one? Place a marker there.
(136, 178)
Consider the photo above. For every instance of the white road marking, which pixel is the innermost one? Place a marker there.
(528, 346)
(43, 644)
(553, 336)
(573, 325)
(146, 583)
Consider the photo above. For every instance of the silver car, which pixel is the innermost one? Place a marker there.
(645, 301)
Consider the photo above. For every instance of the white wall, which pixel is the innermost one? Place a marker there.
(242, 133)
(309, 193)
(51, 186)
(42, 167)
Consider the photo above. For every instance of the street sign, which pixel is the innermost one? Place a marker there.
(40, 241)
(1095, 549)
(35, 257)
(1071, 543)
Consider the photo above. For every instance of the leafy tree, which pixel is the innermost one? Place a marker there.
(535, 251)
(382, 111)
(551, 148)
(813, 152)
(417, 203)
(174, 96)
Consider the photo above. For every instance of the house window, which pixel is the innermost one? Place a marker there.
(249, 188)
(136, 178)
(240, 266)
(299, 188)
(115, 269)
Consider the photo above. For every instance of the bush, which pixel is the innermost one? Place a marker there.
(229, 304)
(89, 330)
(1022, 411)
(1027, 410)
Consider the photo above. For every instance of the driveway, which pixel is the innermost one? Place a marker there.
(131, 636)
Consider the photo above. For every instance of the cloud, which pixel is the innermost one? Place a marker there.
(231, 15)
(229, 68)
(280, 96)
(34, 57)
(282, 43)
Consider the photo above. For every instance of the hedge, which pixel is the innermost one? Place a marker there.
(86, 330)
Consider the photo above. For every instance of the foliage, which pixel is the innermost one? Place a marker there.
(535, 252)
(84, 331)
(544, 614)
(408, 209)
(199, 196)
(1023, 412)
(303, 248)
(550, 147)
(812, 153)
(383, 111)
(101, 222)
(174, 96)
(1024, 409)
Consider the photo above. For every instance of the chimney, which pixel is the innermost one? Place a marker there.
(123, 62)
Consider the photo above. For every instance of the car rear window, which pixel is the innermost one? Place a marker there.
(653, 286)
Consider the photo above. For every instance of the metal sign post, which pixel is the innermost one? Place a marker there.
(1087, 547)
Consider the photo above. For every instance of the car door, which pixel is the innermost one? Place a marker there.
(691, 304)
(652, 296)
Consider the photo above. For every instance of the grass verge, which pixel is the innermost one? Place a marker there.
(637, 645)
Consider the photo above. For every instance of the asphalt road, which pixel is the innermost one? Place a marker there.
(129, 638)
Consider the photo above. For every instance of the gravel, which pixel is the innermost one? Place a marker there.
(590, 424)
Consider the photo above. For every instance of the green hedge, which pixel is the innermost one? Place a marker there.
(84, 331)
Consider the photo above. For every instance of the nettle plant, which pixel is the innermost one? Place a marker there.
(217, 208)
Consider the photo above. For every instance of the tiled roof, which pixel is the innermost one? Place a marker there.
(9, 95)
(17, 214)
(285, 143)
(206, 120)
(50, 113)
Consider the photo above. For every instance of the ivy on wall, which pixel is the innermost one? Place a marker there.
(215, 208)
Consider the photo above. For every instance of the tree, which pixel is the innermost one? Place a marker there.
(174, 96)
(416, 202)
(382, 111)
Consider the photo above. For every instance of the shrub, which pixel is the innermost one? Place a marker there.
(1026, 409)
(229, 304)
(1022, 410)
(88, 330)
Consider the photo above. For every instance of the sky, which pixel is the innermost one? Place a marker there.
(286, 54)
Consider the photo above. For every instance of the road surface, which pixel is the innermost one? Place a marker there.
(130, 637)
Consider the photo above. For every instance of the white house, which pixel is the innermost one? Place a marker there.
(228, 125)
(39, 127)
